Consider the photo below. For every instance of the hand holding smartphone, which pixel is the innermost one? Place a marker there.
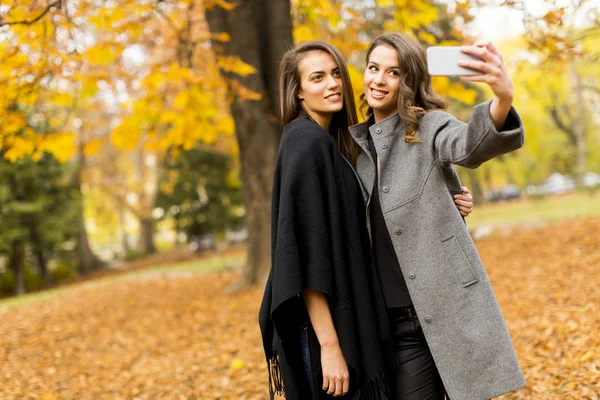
(443, 61)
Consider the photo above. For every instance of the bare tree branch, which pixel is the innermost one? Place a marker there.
(57, 4)
(560, 123)
(592, 88)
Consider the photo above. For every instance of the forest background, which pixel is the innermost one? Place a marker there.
(136, 134)
(131, 125)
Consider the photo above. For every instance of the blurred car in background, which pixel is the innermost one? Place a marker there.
(199, 244)
(591, 179)
(236, 237)
(556, 184)
(505, 193)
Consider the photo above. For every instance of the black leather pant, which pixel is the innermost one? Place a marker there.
(416, 376)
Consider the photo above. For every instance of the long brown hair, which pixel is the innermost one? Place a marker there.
(289, 86)
(416, 95)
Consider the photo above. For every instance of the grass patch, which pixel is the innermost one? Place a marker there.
(205, 266)
(547, 209)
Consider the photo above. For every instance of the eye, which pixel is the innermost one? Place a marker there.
(337, 74)
(316, 77)
(373, 68)
(394, 73)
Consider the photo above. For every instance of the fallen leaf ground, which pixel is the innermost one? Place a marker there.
(177, 336)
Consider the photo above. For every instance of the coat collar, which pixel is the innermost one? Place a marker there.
(388, 127)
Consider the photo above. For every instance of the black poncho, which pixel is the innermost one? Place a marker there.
(320, 241)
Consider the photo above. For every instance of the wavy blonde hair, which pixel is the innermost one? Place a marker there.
(416, 96)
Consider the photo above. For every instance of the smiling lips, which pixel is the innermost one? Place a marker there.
(378, 94)
(334, 96)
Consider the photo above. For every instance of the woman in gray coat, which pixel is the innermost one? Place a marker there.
(449, 334)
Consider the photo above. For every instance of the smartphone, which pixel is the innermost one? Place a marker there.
(443, 61)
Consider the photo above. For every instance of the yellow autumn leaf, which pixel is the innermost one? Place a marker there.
(181, 100)
(125, 136)
(63, 100)
(237, 364)
(221, 37)
(92, 148)
(225, 126)
(305, 33)
(243, 93)
(13, 122)
(61, 145)
(235, 65)
(18, 147)
(102, 55)
(587, 356)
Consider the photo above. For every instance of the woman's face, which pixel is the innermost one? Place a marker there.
(381, 82)
(320, 85)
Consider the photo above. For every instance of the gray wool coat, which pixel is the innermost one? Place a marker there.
(446, 279)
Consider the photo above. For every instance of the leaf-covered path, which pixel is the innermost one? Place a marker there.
(177, 336)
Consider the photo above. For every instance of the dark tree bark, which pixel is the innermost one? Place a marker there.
(475, 188)
(87, 261)
(147, 235)
(16, 262)
(42, 265)
(260, 31)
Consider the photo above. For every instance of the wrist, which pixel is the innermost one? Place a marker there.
(504, 102)
(329, 343)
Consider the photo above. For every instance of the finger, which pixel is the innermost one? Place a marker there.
(482, 43)
(466, 190)
(465, 209)
(490, 46)
(481, 66)
(464, 197)
(464, 214)
(477, 78)
(338, 387)
(345, 385)
(483, 53)
(463, 203)
(331, 389)
(325, 384)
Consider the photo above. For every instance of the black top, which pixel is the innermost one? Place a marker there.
(393, 284)
(320, 241)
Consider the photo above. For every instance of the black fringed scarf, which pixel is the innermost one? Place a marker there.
(320, 241)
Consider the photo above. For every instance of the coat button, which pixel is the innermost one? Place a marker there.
(384, 146)
(398, 231)
(412, 276)
(428, 320)
(386, 189)
(378, 130)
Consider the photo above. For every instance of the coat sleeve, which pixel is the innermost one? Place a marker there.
(473, 143)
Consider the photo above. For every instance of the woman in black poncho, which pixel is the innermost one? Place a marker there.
(323, 318)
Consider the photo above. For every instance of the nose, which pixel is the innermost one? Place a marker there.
(332, 83)
(379, 78)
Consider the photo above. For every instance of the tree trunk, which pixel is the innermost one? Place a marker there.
(260, 31)
(43, 267)
(16, 262)
(123, 229)
(579, 124)
(147, 235)
(86, 259)
(476, 189)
